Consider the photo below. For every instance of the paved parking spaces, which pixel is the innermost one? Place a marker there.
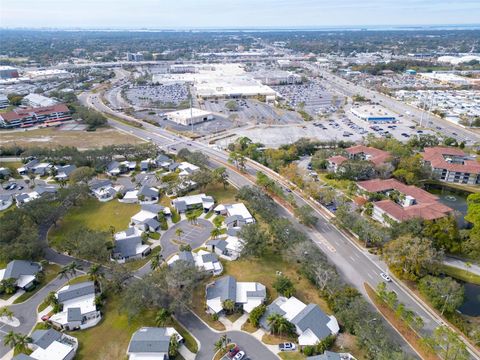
(193, 234)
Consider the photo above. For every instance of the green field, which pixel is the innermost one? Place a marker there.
(94, 215)
(461, 274)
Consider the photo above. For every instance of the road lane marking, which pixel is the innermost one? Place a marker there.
(351, 257)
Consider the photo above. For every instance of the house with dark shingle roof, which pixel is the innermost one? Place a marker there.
(24, 272)
(311, 323)
(151, 343)
(129, 246)
(246, 295)
(203, 260)
(63, 172)
(52, 345)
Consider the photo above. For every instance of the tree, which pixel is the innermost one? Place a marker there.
(81, 174)
(306, 216)
(88, 244)
(52, 300)
(178, 233)
(444, 233)
(216, 232)
(229, 306)
(155, 262)
(471, 246)
(445, 294)
(255, 240)
(355, 170)
(284, 286)
(237, 159)
(95, 273)
(220, 176)
(448, 345)
(412, 258)
(8, 286)
(279, 325)
(6, 312)
(17, 341)
(222, 342)
(202, 178)
(231, 105)
(173, 346)
(412, 170)
(162, 316)
(256, 314)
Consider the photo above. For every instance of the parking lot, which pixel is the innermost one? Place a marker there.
(193, 234)
(158, 96)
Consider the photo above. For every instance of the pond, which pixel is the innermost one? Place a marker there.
(471, 305)
(456, 199)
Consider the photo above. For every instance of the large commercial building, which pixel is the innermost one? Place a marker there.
(37, 100)
(189, 116)
(452, 165)
(29, 117)
(8, 72)
(4, 101)
(373, 113)
(135, 56)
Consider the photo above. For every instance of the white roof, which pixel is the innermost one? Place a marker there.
(55, 351)
(307, 338)
(123, 235)
(191, 199)
(188, 113)
(215, 304)
(292, 307)
(85, 303)
(234, 243)
(143, 215)
(131, 195)
(24, 280)
(243, 288)
(239, 209)
(186, 165)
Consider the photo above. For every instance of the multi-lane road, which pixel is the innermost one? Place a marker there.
(356, 264)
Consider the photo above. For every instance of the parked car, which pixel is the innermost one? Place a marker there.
(288, 346)
(385, 277)
(20, 187)
(240, 355)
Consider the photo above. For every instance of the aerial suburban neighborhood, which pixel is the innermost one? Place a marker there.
(246, 180)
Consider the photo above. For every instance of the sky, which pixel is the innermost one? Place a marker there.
(160, 14)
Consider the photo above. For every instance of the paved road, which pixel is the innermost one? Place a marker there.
(473, 268)
(356, 264)
(207, 338)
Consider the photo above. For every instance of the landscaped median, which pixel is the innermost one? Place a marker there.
(411, 336)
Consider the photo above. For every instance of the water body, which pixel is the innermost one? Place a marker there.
(471, 304)
(456, 199)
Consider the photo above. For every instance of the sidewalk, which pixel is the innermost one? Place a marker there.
(473, 268)
(11, 299)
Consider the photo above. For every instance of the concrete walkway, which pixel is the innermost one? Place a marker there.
(11, 299)
(186, 354)
(460, 264)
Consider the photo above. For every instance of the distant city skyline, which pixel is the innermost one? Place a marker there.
(178, 14)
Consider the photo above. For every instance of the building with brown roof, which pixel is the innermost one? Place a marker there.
(402, 202)
(360, 152)
(28, 117)
(452, 165)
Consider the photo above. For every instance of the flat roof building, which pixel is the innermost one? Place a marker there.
(189, 116)
(29, 117)
(8, 72)
(36, 100)
(373, 113)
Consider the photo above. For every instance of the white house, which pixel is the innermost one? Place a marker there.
(150, 343)
(78, 307)
(185, 203)
(228, 248)
(237, 215)
(246, 295)
(103, 190)
(311, 323)
(147, 218)
(24, 272)
(50, 345)
(203, 260)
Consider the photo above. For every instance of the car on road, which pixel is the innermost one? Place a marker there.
(288, 346)
(240, 355)
(385, 277)
(20, 187)
(10, 186)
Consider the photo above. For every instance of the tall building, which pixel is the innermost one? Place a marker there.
(135, 56)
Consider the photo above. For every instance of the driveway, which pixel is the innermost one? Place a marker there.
(193, 234)
(254, 349)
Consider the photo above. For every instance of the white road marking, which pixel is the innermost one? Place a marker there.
(351, 257)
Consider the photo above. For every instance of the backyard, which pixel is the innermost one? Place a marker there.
(95, 215)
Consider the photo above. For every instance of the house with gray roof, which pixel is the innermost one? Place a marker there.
(148, 164)
(185, 203)
(129, 246)
(311, 323)
(52, 345)
(228, 248)
(24, 272)
(102, 189)
(245, 295)
(151, 343)
(6, 201)
(149, 194)
(78, 307)
(28, 167)
(163, 161)
(203, 260)
(5, 173)
(63, 172)
(330, 355)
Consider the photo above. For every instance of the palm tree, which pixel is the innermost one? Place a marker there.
(6, 312)
(162, 316)
(64, 273)
(156, 261)
(9, 286)
(179, 233)
(222, 342)
(17, 341)
(173, 346)
(73, 267)
(95, 273)
(10, 339)
(190, 217)
(279, 325)
(228, 305)
(216, 232)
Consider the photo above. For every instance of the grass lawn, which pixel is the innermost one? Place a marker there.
(209, 214)
(291, 355)
(137, 264)
(263, 270)
(221, 195)
(248, 327)
(79, 279)
(50, 271)
(234, 317)
(53, 137)
(337, 184)
(154, 236)
(109, 339)
(199, 306)
(218, 220)
(461, 274)
(270, 339)
(94, 215)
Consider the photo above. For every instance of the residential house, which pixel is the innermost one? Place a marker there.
(28, 167)
(35, 167)
(360, 152)
(183, 168)
(63, 172)
(245, 295)
(185, 203)
(50, 345)
(237, 215)
(311, 323)
(147, 218)
(6, 201)
(151, 343)
(115, 168)
(203, 260)
(78, 307)
(147, 165)
(24, 272)
(452, 165)
(144, 195)
(330, 355)
(228, 248)
(128, 245)
(163, 161)
(402, 202)
(103, 190)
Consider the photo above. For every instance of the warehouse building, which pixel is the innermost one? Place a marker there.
(189, 116)
(8, 72)
(373, 113)
(37, 100)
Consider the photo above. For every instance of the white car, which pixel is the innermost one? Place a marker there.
(239, 356)
(385, 277)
